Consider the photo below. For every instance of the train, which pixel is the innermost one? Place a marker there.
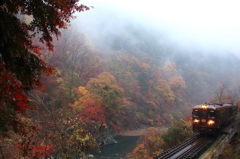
(210, 118)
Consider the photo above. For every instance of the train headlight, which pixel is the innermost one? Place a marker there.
(211, 122)
(196, 121)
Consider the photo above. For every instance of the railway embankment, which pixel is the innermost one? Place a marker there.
(218, 146)
(201, 146)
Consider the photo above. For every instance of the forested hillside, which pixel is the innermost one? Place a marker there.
(130, 87)
(123, 79)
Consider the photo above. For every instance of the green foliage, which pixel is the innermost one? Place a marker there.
(104, 86)
(178, 132)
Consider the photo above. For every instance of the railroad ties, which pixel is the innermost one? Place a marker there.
(216, 148)
(199, 146)
(188, 148)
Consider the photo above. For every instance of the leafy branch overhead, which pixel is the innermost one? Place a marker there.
(24, 25)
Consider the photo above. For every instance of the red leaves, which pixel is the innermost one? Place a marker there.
(117, 128)
(188, 118)
(12, 92)
(31, 143)
(94, 113)
(42, 150)
(34, 151)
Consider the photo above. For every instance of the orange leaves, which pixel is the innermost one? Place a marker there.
(145, 67)
(139, 152)
(152, 145)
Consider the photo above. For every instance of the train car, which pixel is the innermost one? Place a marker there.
(211, 117)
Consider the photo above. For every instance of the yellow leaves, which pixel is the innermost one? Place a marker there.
(59, 80)
(170, 68)
(105, 88)
(107, 77)
(83, 95)
(81, 138)
(82, 91)
(177, 82)
(84, 137)
(165, 89)
(134, 60)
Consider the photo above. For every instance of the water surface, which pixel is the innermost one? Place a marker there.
(125, 145)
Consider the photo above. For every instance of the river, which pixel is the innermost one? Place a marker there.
(125, 145)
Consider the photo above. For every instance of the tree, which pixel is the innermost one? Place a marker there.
(177, 85)
(83, 95)
(104, 86)
(154, 142)
(219, 92)
(151, 146)
(62, 128)
(179, 131)
(20, 63)
(164, 92)
(170, 68)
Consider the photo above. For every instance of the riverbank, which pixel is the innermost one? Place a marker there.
(125, 145)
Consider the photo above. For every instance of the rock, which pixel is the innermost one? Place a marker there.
(90, 156)
(109, 140)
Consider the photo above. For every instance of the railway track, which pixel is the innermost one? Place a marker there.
(187, 149)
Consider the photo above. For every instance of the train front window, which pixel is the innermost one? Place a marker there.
(195, 113)
(204, 114)
(211, 114)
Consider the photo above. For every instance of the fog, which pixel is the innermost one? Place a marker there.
(204, 24)
(201, 37)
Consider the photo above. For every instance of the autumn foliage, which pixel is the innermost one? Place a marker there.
(57, 92)
(93, 112)
(154, 142)
(22, 27)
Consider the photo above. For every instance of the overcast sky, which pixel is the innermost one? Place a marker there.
(208, 23)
